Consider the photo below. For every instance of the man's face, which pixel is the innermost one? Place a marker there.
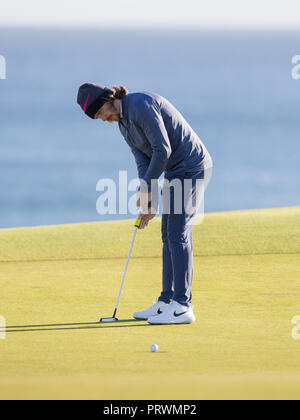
(108, 113)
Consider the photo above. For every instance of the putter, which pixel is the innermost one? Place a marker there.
(113, 318)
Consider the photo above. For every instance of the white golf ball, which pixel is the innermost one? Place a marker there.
(154, 347)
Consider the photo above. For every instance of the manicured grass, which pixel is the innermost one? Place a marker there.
(57, 281)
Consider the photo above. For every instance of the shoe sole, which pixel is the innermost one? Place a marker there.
(144, 318)
(172, 323)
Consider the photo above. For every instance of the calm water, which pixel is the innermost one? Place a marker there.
(234, 88)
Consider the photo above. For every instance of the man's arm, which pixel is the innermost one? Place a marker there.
(149, 197)
(148, 117)
(142, 161)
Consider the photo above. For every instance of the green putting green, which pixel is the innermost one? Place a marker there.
(57, 281)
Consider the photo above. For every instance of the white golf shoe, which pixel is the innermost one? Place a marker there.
(174, 314)
(157, 308)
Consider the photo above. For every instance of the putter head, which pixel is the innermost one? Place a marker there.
(108, 319)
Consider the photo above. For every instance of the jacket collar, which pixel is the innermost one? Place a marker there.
(124, 108)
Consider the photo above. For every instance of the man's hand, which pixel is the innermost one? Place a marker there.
(146, 217)
(147, 213)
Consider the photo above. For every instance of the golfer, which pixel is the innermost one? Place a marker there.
(162, 142)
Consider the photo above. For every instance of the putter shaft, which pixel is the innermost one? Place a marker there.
(124, 274)
(136, 226)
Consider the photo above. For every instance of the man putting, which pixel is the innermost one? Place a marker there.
(161, 141)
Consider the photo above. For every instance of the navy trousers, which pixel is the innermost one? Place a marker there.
(177, 229)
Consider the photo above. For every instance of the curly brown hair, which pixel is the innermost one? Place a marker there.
(120, 92)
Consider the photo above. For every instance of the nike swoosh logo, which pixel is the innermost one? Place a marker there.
(85, 104)
(181, 313)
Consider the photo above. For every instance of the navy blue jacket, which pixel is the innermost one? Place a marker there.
(160, 138)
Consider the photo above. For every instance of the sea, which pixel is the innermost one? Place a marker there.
(239, 91)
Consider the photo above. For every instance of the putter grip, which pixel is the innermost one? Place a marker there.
(138, 222)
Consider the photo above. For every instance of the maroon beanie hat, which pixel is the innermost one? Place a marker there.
(92, 97)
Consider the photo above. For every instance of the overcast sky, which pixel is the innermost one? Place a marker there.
(151, 13)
